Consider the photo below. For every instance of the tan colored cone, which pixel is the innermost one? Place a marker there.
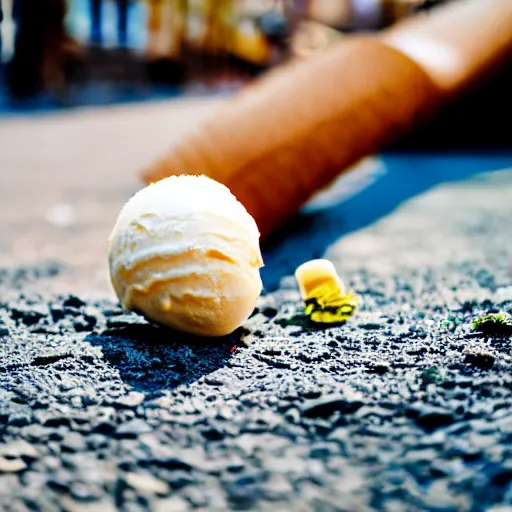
(291, 133)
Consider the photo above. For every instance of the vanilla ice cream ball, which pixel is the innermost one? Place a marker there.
(185, 253)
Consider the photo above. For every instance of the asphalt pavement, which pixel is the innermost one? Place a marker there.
(404, 408)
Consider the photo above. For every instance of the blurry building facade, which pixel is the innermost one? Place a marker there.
(49, 44)
(73, 52)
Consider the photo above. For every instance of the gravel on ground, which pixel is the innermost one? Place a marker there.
(404, 408)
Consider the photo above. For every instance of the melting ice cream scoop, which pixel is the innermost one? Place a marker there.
(185, 253)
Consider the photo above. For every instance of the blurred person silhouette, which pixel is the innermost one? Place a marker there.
(167, 28)
(96, 13)
(167, 23)
(218, 30)
(24, 77)
(122, 22)
(42, 48)
(1, 19)
(38, 46)
(96, 32)
(54, 43)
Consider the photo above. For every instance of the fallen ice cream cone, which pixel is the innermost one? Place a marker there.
(291, 133)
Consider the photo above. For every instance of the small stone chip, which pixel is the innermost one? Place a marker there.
(18, 449)
(11, 465)
(146, 483)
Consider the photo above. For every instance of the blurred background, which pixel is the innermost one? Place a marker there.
(67, 53)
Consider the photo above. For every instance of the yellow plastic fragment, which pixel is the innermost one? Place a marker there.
(323, 293)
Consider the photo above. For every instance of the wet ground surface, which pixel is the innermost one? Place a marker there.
(404, 408)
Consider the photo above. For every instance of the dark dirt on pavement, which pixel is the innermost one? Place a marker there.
(404, 408)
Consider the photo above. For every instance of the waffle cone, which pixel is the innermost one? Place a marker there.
(291, 133)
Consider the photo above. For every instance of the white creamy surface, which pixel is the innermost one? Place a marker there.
(182, 240)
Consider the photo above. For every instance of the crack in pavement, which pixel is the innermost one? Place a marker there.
(38, 361)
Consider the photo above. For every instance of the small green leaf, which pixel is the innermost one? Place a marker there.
(493, 324)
